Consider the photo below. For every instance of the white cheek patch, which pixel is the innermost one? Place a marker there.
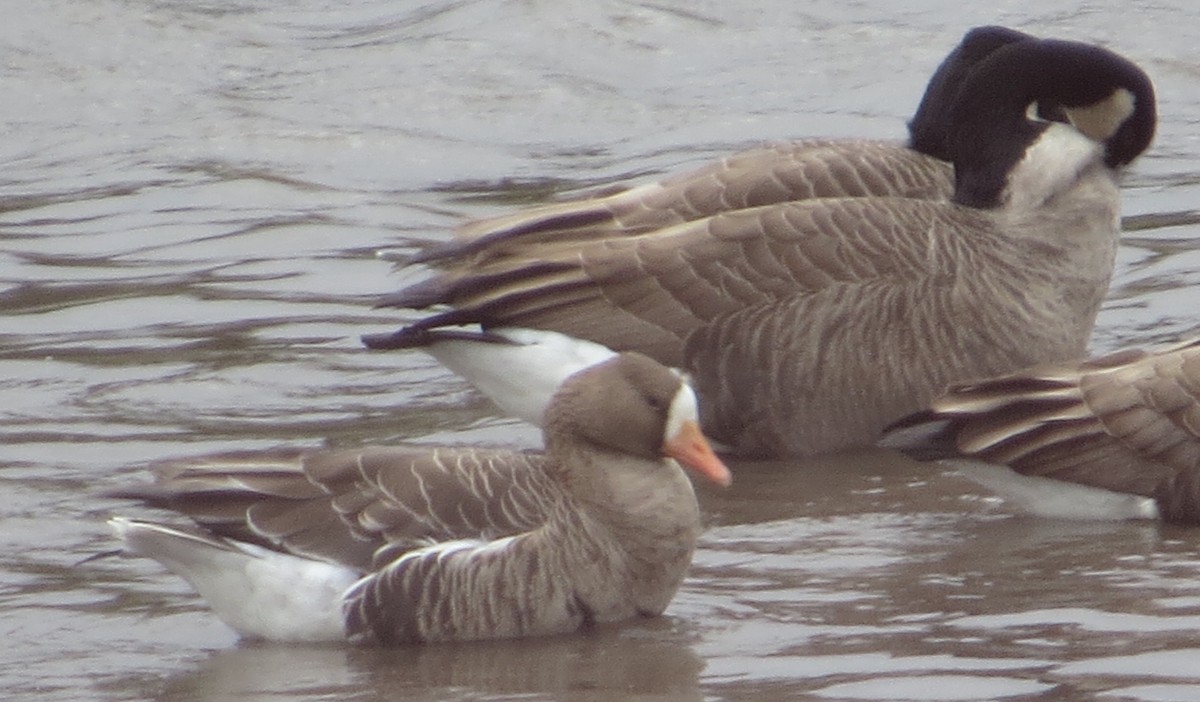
(1101, 120)
(683, 409)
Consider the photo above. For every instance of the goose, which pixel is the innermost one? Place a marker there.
(808, 326)
(1110, 437)
(407, 545)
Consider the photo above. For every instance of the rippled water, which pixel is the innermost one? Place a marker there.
(191, 201)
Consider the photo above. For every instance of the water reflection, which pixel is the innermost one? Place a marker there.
(650, 661)
(189, 214)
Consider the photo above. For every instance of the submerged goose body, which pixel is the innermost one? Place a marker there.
(809, 325)
(1125, 427)
(407, 545)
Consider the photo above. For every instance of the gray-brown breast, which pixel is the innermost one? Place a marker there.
(1128, 422)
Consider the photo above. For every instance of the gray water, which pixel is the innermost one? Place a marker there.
(192, 199)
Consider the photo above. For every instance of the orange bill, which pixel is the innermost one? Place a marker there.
(693, 451)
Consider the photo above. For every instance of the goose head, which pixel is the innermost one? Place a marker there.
(631, 406)
(997, 148)
(929, 128)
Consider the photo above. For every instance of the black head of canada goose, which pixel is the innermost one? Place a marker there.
(810, 324)
(1124, 427)
(930, 127)
(415, 544)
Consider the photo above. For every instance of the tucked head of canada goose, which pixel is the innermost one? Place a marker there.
(930, 126)
(1104, 96)
(635, 406)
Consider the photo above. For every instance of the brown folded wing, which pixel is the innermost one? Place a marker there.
(1128, 422)
(359, 507)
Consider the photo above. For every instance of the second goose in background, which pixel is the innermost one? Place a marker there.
(810, 325)
(1124, 427)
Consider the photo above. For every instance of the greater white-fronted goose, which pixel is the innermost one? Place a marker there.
(336, 546)
(1126, 427)
(808, 326)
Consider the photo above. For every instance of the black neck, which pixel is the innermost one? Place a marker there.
(990, 127)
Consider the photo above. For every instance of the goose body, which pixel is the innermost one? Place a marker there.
(408, 544)
(1123, 427)
(810, 324)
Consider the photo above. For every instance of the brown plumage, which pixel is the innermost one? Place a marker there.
(1128, 423)
(405, 545)
(356, 506)
(775, 173)
(813, 309)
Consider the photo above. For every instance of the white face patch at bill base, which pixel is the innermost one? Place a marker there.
(683, 409)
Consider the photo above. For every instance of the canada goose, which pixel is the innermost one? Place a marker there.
(337, 546)
(1126, 426)
(808, 326)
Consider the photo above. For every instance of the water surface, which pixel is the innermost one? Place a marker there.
(191, 205)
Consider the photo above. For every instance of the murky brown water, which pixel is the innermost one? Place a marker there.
(191, 200)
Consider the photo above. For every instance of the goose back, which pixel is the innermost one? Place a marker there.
(774, 173)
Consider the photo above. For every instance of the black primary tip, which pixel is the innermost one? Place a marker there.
(404, 338)
(416, 336)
